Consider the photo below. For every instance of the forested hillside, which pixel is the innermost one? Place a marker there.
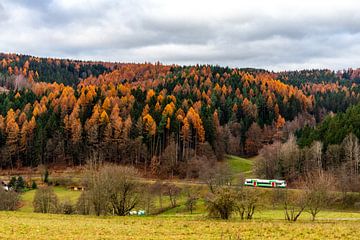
(166, 119)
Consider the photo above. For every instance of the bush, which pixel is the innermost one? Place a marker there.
(9, 200)
(222, 203)
(66, 207)
(191, 202)
(64, 182)
(83, 205)
(45, 200)
(18, 184)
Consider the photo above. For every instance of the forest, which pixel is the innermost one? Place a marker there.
(167, 120)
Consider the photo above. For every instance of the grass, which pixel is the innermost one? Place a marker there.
(325, 215)
(177, 223)
(63, 194)
(19, 225)
(239, 165)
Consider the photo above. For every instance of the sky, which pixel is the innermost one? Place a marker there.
(274, 35)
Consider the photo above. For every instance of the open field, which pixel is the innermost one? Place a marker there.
(177, 223)
(18, 225)
(63, 194)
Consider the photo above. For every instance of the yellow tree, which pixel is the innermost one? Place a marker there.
(12, 132)
(150, 128)
(116, 122)
(92, 126)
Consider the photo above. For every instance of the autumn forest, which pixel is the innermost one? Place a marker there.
(167, 120)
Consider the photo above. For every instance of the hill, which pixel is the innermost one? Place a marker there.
(166, 119)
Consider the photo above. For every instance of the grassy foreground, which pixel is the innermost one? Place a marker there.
(19, 225)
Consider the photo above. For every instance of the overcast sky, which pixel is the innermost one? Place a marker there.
(270, 34)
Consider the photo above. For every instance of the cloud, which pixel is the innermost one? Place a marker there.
(274, 35)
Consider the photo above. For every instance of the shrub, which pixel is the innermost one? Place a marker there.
(65, 182)
(18, 184)
(66, 207)
(191, 202)
(83, 205)
(45, 200)
(9, 200)
(222, 203)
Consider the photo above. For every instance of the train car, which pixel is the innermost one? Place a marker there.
(265, 183)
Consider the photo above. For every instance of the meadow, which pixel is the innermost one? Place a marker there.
(177, 223)
(19, 225)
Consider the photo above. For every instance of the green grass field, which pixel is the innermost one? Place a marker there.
(177, 223)
(239, 165)
(63, 194)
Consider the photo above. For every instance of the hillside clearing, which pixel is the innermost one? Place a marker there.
(239, 165)
(63, 194)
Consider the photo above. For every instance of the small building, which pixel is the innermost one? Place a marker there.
(77, 188)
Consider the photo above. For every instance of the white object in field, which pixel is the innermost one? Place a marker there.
(138, 213)
(141, 212)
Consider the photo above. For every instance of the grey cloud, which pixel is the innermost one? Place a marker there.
(273, 37)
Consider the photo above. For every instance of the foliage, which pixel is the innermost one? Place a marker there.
(34, 185)
(17, 184)
(158, 117)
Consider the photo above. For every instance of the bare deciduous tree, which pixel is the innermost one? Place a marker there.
(113, 189)
(45, 200)
(317, 187)
(247, 201)
(191, 200)
(173, 192)
(120, 187)
(294, 205)
(352, 153)
(217, 176)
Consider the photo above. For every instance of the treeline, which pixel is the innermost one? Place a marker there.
(49, 70)
(288, 161)
(331, 91)
(333, 129)
(164, 119)
(331, 146)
